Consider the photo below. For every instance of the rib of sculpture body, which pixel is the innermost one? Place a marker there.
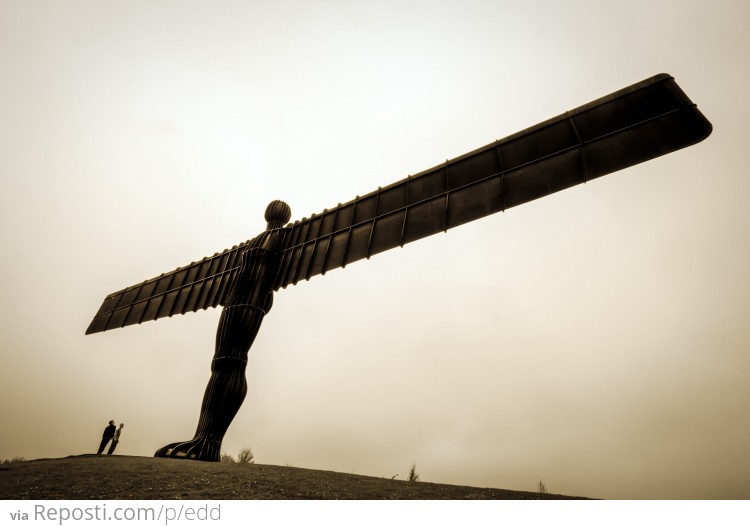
(643, 121)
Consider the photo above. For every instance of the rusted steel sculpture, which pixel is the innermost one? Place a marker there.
(646, 120)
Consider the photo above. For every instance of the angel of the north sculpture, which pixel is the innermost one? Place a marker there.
(643, 121)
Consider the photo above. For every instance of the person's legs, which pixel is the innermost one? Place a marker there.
(102, 445)
(112, 447)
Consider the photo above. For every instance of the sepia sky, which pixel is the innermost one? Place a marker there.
(596, 339)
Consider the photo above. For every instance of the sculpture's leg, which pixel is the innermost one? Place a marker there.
(226, 388)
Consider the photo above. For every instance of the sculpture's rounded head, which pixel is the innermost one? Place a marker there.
(278, 214)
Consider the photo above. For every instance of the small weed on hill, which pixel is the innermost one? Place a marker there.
(245, 456)
(13, 460)
(413, 476)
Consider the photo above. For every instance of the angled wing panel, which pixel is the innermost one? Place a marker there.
(200, 285)
(638, 123)
(643, 121)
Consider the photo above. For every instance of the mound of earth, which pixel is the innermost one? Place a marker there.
(127, 477)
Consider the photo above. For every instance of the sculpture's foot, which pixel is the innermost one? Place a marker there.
(195, 449)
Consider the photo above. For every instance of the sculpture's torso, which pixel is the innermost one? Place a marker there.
(259, 264)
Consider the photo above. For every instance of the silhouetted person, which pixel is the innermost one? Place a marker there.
(109, 432)
(249, 301)
(115, 439)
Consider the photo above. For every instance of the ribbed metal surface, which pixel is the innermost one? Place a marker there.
(643, 121)
(200, 285)
(638, 123)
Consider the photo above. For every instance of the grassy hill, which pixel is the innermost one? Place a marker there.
(126, 477)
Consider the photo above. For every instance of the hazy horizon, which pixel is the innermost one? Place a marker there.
(596, 339)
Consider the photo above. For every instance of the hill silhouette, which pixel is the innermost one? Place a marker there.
(128, 477)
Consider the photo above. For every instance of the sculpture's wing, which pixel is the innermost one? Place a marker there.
(635, 124)
(200, 285)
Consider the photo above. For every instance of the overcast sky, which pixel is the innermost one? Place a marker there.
(596, 339)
